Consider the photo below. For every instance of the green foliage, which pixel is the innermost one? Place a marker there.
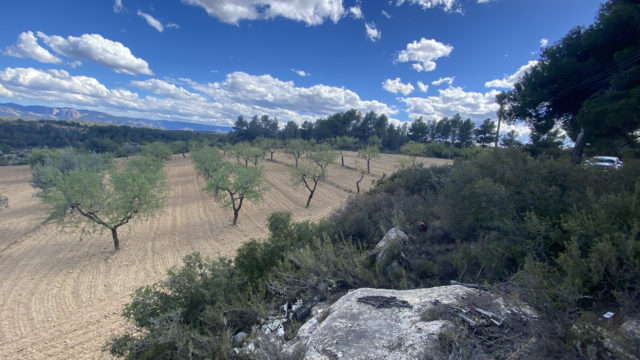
(207, 161)
(232, 184)
(412, 149)
(563, 238)
(587, 82)
(179, 147)
(369, 153)
(39, 156)
(296, 148)
(55, 134)
(486, 132)
(191, 315)
(158, 150)
(313, 169)
(85, 190)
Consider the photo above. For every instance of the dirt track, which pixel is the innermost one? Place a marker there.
(61, 292)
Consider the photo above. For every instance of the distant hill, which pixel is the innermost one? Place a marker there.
(53, 113)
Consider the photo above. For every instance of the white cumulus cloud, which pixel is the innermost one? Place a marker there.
(167, 89)
(423, 54)
(396, 86)
(446, 5)
(544, 42)
(372, 33)
(219, 102)
(311, 12)
(442, 80)
(301, 72)
(153, 22)
(95, 48)
(509, 81)
(117, 6)
(265, 91)
(386, 14)
(356, 12)
(423, 87)
(28, 47)
(475, 105)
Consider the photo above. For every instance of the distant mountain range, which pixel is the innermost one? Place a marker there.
(53, 113)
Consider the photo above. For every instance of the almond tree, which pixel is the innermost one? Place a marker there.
(297, 148)
(412, 149)
(314, 169)
(344, 143)
(368, 153)
(85, 190)
(232, 184)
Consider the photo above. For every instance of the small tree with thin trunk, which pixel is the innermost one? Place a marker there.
(274, 145)
(368, 153)
(232, 184)
(344, 143)
(313, 169)
(180, 147)
(361, 171)
(297, 148)
(413, 149)
(158, 150)
(88, 192)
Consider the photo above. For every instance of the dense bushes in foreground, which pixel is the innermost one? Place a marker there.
(562, 237)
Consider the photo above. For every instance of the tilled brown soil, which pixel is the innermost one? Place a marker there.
(61, 292)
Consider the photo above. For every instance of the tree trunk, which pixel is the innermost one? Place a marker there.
(183, 155)
(358, 183)
(114, 235)
(497, 133)
(272, 156)
(343, 160)
(296, 162)
(309, 199)
(235, 216)
(368, 168)
(576, 154)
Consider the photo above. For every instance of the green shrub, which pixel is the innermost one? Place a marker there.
(191, 315)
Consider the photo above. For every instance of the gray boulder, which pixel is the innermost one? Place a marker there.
(390, 251)
(4, 202)
(357, 330)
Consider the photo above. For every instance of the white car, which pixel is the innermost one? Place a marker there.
(604, 161)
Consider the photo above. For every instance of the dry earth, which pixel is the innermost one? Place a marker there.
(61, 292)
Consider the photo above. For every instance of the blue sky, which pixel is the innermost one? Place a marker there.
(212, 60)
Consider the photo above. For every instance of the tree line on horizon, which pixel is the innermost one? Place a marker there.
(451, 131)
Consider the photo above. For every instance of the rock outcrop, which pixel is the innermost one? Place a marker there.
(391, 251)
(359, 330)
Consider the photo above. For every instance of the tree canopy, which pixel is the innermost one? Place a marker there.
(230, 183)
(86, 189)
(314, 168)
(588, 83)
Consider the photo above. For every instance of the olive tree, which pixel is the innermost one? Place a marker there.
(314, 169)
(87, 191)
(232, 184)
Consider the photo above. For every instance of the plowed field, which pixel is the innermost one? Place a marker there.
(61, 291)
